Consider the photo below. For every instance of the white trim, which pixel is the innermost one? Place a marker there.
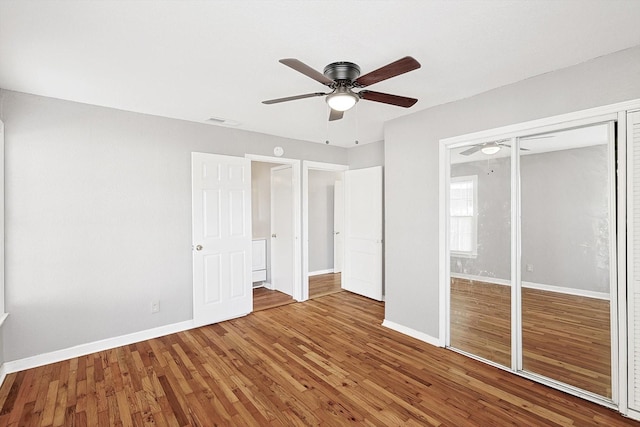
(298, 293)
(93, 347)
(613, 262)
(634, 415)
(533, 285)
(306, 166)
(319, 272)
(3, 317)
(413, 333)
(623, 397)
(2, 220)
(516, 252)
(443, 253)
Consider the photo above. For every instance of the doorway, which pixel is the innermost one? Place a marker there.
(531, 262)
(323, 214)
(276, 228)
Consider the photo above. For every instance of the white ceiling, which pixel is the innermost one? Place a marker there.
(193, 60)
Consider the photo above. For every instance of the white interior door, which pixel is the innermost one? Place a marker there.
(338, 227)
(221, 209)
(282, 229)
(363, 232)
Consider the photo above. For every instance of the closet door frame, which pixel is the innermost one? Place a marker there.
(618, 303)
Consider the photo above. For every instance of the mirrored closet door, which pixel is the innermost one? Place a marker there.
(480, 250)
(531, 254)
(566, 240)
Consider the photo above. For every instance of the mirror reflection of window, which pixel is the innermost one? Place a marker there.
(464, 215)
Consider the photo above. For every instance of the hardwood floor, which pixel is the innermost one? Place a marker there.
(324, 284)
(565, 337)
(264, 299)
(320, 285)
(327, 361)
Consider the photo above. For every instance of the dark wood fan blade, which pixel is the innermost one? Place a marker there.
(293, 98)
(335, 115)
(400, 101)
(471, 150)
(303, 68)
(396, 68)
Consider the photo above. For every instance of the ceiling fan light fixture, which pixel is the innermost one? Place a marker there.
(490, 149)
(342, 99)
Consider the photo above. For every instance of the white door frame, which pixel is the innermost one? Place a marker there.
(618, 299)
(306, 166)
(297, 255)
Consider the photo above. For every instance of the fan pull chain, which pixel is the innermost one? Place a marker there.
(357, 124)
(327, 122)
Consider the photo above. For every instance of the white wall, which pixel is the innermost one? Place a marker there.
(412, 169)
(98, 217)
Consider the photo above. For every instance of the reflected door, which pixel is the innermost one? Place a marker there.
(566, 235)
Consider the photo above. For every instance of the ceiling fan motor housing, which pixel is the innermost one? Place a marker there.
(342, 71)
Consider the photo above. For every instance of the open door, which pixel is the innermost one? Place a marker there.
(338, 227)
(221, 210)
(282, 229)
(362, 272)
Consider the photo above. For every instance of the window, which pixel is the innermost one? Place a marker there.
(463, 219)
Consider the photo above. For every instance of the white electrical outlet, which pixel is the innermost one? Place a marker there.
(155, 306)
(529, 268)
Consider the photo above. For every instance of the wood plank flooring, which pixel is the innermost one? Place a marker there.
(320, 285)
(324, 284)
(264, 299)
(565, 337)
(327, 361)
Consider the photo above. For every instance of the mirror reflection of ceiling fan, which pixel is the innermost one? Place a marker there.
(342, 77)
(492, 147)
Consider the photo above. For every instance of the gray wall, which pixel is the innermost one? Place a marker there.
(494, 219)
(98, 217)
(366, 155)
(564, 218)
(412, 177)
(261, 199)
(321, 190)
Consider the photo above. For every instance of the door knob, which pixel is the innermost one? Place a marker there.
(199, 248)
(273, 235)
(336, 232)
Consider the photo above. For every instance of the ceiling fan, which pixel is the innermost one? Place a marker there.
(343, 77)
(492, 147)
(489, 148)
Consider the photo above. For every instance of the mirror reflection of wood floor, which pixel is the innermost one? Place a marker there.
(323, 362)
(565, 337)
(320, 285)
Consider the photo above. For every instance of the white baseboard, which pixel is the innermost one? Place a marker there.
(413, 333)
(533, 285)
(93, 347)
(319, 272)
